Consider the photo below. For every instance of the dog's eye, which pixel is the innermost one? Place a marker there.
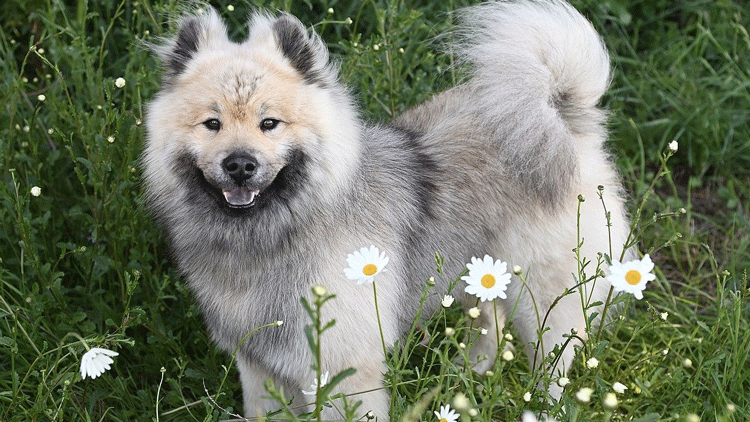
(212, 124)
(268, 124)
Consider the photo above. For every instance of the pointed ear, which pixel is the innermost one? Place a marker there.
(197, 32)
(304, 49)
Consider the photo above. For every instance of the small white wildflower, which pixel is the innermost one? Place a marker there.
(119, 82)
(632, 276)
(41, 97)
(447, 301)
(665, 352)
(348, 21)
(687, 363)
(401, 50)
(230, 8)
(563, 381)
(376, 47)
(517, 270)
(584, 394)
(487, 278)
(28, 299)
(365, 264)
(574, 331)
(483, 331)
(111, 139)
(692, 417)
(36, 191)
(509, 336)
(489, 373)
(619, 387)
(279, 323)
(314, 385)
(96, 361)
(319, 291)
(460, 402)
(41, 51)
(731, 407)
(474, 313)
(449, 331)
(26, 128)
(664, 316)
(473, 412)
(592, 363)
(50, 131)
(446, 414)
(610, 401)
(462, 345)
(673, 146)
(508, 356)
(527, 397)
(138, 122)
(330, 10)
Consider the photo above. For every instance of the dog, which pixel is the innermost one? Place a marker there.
(265, 177)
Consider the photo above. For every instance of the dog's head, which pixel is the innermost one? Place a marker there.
(247, 123)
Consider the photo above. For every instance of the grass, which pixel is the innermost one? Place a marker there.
(82, 264)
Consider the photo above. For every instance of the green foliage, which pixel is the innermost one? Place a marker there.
(83, 265)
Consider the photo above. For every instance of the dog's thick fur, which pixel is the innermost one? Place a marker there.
(265, 177)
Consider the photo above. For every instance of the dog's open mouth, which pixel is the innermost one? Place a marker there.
(241, 197)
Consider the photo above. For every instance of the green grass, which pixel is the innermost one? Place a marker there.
(84, 263)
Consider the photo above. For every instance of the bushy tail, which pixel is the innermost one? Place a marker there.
(538, 69)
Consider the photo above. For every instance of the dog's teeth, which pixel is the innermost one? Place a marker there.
(239, 197)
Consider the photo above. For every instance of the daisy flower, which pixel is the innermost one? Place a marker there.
(447, 301)
(487, 278)
(365, 264)
(632, 276)
(95, 362)
(314, 386)
(446, 414)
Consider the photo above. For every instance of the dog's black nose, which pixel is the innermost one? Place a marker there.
(240, 167)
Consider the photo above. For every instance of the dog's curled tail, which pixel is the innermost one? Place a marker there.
(538, 71)
(532, 47)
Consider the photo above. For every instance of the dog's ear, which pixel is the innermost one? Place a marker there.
(196, 32)
(303, 49)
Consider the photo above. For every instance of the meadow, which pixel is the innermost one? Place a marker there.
(83, 265)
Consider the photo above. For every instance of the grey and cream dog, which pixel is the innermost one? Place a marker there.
(265, 177)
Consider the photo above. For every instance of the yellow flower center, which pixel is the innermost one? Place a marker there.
(633, 277)
(443, 420)
(369, 269)
(488, 280)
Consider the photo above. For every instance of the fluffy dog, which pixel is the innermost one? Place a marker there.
(265, 177)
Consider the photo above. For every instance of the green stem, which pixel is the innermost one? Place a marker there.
(380, 326)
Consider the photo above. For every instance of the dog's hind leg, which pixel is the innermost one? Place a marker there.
(256, 401)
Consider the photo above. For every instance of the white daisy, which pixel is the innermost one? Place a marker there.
(632, 276)
(95, 362)
(487, 278)
(592, 363)
(446, 414)
(314, 385)
(365, 264)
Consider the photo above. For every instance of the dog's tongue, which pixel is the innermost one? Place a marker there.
(239, 197)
